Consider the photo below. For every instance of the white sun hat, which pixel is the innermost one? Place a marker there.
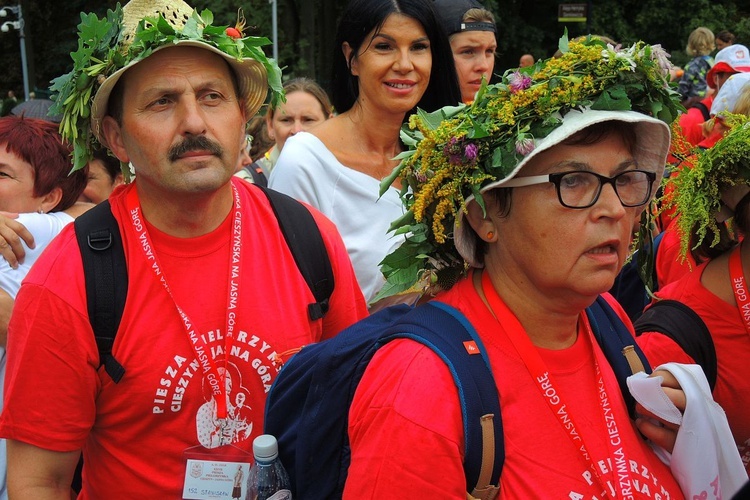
(650, 152)
(457, 153)
(732, 59)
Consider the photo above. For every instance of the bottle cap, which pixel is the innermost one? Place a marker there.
(265, 448)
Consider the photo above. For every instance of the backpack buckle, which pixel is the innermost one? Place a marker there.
(100, 240)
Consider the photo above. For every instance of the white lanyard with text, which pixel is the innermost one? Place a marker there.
(197, 341)
(739, 286)
(539, 372)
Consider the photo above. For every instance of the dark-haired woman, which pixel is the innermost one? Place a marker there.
(391, 57)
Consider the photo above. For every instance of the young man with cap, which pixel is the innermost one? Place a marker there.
(215, 299)
(471, 29)
(729, 60)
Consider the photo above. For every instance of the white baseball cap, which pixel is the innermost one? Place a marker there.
(732, 59)
(727, 96)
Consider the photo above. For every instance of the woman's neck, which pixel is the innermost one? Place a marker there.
(549, 323)
(717, 279)
(377, 131)
(361, 142)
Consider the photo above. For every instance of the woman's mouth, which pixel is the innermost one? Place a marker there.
(400, 85)
(604, 249)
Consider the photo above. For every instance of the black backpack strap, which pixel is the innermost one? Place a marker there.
(703, 109)
(303, 237)
(106, 276)
(308, 404)
(683, 325)
(449, 334)
(256, 172)
(618, 345)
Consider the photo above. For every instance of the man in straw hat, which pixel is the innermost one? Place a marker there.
(214, 299)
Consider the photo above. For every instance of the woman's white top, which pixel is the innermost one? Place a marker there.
(308, 171)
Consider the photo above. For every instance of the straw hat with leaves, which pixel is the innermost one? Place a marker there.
(110, 46)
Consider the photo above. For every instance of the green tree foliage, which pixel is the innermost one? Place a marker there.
(533, 26)
(306, 30)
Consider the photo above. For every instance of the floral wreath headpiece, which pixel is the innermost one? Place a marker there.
(701, 183)
(454, 152)
(126, 36)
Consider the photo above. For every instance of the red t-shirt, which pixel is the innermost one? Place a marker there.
(670, 265)
(732, 344)
(692, 119)
(134, 433)
(406, 432)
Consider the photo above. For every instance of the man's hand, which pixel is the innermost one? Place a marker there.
(661, 432)
(11, 234)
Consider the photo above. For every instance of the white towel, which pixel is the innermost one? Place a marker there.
(705, 460)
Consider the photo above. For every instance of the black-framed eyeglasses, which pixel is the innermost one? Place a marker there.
(581, 188)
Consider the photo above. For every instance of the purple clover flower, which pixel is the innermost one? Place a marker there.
(525, 146)
(453, 151)
(517, 82)
(471, 151)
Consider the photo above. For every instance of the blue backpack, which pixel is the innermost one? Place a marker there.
(307, 408)
(629, 288)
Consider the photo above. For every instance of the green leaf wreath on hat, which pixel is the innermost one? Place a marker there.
(700, 184)
(455, 151)
(106, 46)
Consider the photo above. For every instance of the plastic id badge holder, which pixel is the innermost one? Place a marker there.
(216, 473)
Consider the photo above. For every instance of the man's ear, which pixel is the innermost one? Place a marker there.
(347, 50)
(269, 124)
(113, 134)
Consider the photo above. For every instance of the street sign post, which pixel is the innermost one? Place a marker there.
(572, 13)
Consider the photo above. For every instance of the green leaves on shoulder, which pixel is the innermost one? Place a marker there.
(403, 267)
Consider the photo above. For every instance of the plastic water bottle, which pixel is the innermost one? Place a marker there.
(268, 479)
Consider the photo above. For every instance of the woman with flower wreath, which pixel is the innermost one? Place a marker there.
(712, 199)
(390, 57)
(525, 202)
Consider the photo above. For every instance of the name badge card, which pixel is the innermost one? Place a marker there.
(216, 473)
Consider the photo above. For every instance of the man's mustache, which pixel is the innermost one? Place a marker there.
(195, 143)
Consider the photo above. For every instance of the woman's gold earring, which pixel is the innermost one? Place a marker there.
(490, 235)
